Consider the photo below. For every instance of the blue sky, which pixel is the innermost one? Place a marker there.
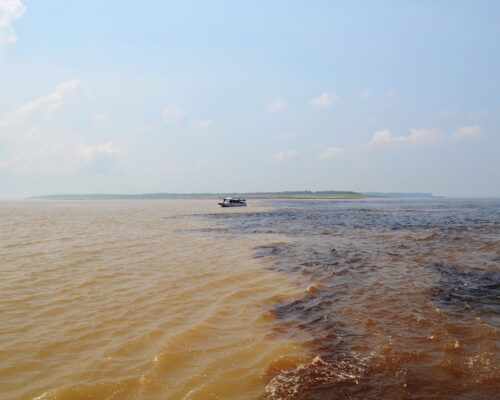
(196, 96)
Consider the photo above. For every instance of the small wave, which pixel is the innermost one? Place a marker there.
(318, 378)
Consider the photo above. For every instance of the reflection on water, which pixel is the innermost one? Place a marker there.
(403, 297)
(295, 300)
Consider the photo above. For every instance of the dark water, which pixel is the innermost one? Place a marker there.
(402, 299)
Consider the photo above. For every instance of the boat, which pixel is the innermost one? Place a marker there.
(230, 202)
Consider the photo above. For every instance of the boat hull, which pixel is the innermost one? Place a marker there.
(231, 205)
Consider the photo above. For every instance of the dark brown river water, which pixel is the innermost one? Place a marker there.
(403, 298)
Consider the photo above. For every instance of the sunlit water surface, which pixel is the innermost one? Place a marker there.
(314, 299)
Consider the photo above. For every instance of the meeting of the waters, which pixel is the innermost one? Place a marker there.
(283, 299)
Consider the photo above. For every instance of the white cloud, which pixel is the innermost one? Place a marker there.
(44, 106)
(424, 136)
(381, 137)
(416, 136)
(10, 11)
(332, 152)
(467, 132)
(366, 93)
(38, 137)
(325, 99)
(392, 93)
(88, 153)
(285, 155)
(173, 113)
(276, 106)
(97, 158)
(204, 124)
(288, 135)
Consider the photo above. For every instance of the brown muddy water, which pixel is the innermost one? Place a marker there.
(313, 299)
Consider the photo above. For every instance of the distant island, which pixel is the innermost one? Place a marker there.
(304, 194)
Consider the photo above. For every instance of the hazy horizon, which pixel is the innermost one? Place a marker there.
(186, 97)
(200, 193)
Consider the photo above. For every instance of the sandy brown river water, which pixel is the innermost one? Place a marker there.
(179, 299)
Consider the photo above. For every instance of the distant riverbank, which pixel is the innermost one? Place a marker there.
(332, 194)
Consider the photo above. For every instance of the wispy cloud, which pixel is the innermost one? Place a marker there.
(325, 99)
(88, 153)
(381, 137)
(467, 132)
(282, 156)
(332, 152)
(43, 107)
(423, 136)
(98, 158)
(276, 105)
(38, 138)
(416, 136)
(206, 123)
(173, 113)
(10, 12)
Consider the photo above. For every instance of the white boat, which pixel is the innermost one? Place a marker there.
(230, 202)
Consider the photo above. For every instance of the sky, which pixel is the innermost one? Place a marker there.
(243, 96)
